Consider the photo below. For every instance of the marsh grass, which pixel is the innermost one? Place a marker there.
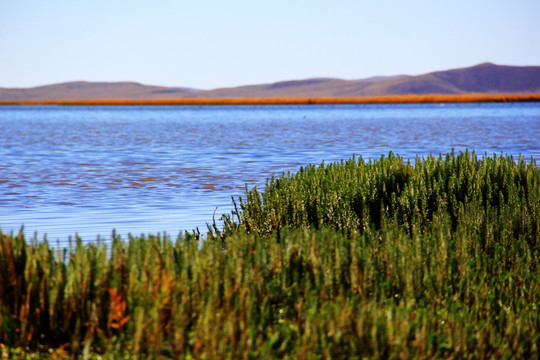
(498, 196)
(385, 99)
(348, 260)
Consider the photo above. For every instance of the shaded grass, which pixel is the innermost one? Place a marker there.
(387, 99)
(384, 260)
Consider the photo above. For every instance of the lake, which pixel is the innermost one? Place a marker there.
(150, 169)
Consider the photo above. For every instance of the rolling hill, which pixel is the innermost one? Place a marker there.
(486, 78)
(93, 90)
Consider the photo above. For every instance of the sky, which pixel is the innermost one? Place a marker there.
(209, 44)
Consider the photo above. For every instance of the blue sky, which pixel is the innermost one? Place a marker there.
(209, 44)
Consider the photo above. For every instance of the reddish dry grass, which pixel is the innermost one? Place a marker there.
(389, 99)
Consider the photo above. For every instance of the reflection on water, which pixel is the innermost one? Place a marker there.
(67, 169)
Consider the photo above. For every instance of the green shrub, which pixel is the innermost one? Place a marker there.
(498, 196)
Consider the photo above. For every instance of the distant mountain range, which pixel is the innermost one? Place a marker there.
(486, 78)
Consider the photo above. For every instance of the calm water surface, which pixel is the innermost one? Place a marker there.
(150, 169)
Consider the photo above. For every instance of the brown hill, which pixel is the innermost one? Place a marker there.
(484, 78)
(93, 90)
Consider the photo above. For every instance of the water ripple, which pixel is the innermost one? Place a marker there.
(154, 169)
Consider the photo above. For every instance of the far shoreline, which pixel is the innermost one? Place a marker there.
(387, 99)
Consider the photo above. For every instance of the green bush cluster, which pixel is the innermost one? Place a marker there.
(495, 193)
(348, 260)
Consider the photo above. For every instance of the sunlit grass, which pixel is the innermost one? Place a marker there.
(388, 99)
(381, 259)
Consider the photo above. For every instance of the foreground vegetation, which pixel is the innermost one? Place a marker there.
(382, 259)
(386, 99)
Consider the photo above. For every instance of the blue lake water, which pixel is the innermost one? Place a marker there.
(150, 169)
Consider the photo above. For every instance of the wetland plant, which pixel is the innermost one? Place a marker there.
(383, 259)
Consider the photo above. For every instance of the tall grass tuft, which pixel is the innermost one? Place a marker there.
(383, 259)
